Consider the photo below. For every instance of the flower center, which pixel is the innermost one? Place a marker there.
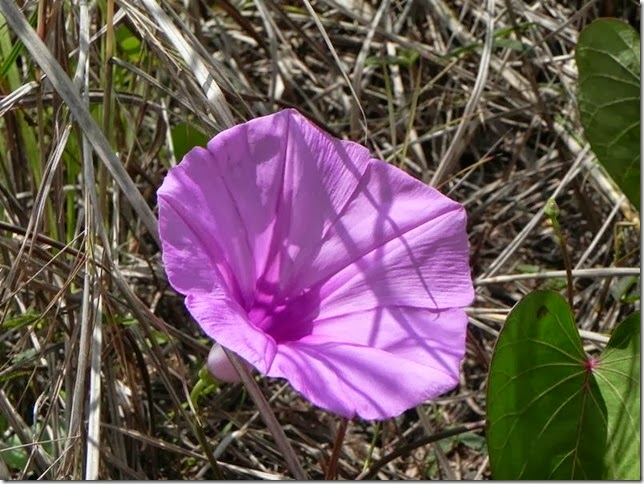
(284, 318)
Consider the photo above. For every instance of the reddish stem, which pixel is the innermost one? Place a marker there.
(332, 469)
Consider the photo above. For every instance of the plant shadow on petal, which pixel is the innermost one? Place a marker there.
(292, 317)
(382, 289)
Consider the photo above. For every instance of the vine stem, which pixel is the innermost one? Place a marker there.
(552, 211)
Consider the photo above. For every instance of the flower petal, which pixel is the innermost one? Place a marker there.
(434, 338)
(427, 267)
(204, 241)
(248, 159)
(373, 383)
(266, 191)
(397, 242)
(225, 321)
(319, 175)
(315, 263)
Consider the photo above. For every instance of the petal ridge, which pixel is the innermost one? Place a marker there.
(324, 274)
(166, 205)
(342, 279)
(367, 382)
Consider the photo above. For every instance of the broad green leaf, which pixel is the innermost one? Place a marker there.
(618, 377)
(185, 137)
(554, 412)
(608, 61)
(543, 408)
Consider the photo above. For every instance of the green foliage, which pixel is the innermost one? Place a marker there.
(625, 289)
(20, 320)
(502, 40)
(554, 412)
(10, 81)
(9, 57)
(204, 386)
(14, 455)
(469, 439)
(618, 379)
(185, 137)
(608, 60)
(128, 43)
(406, 58)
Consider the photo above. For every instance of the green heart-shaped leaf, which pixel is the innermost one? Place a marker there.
(553, 412)
(608, 61)
(618, 377)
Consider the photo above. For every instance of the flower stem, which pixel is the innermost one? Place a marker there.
(552, 211)
(332, 470)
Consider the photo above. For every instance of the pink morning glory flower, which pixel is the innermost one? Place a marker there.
(316, 263)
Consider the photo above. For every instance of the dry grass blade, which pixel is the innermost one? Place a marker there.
(576, 273)
(40, 203)
(457, 144)
(358, 69)
(65, 88)
(92, 324)
(269, 417)
(92, 457)
(193, 60)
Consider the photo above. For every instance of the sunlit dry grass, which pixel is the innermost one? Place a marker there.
(100, 362)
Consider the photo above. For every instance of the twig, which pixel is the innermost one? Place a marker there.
(405, 449)
(590, 273)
